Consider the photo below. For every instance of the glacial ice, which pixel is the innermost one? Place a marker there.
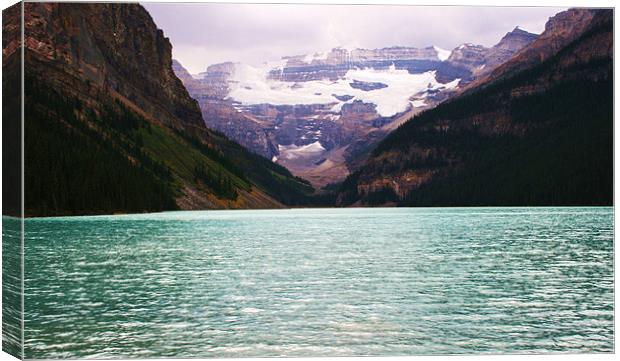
(250, 86)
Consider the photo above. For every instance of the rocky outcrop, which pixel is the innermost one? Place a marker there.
(221, 115)
(468, 56)
(350, 57)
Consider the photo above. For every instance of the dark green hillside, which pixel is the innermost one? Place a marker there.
(274, 179)
(81, 161)
(571, 164)
(84, 159)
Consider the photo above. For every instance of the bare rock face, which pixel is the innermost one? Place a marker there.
(117, 47)
(515, 40)
(468, 56)
(395, 53)
(222, 116)
(215, 79)
(11, 31)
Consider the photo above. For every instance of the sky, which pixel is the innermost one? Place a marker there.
(208, 33)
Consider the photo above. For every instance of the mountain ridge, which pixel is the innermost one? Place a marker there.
(509, 141)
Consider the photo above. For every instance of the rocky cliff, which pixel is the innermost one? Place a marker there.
(114, 47)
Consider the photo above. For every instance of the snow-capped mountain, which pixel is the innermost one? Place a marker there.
(316, 113)
(335, 63)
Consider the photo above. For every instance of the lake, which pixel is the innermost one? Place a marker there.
(320, 282)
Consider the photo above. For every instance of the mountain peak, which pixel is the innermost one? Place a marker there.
(518, 30)
(516, 39)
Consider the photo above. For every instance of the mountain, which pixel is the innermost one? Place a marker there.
(109, 127)
(320, 114)
(537, 131)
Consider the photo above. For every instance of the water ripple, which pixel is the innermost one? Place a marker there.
(320, 282)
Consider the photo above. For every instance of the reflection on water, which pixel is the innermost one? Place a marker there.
(318, 282)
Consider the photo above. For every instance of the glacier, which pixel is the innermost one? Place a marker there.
(250, 85)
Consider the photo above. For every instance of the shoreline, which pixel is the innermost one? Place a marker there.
(297, 208)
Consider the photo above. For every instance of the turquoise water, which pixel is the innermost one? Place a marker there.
(314, 282)
(11, 286)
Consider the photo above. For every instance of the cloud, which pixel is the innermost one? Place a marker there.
(209, 33)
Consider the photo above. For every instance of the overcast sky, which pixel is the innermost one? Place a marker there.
(204, 34)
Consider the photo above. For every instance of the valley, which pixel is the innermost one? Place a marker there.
(271, 194)
(116, 125)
